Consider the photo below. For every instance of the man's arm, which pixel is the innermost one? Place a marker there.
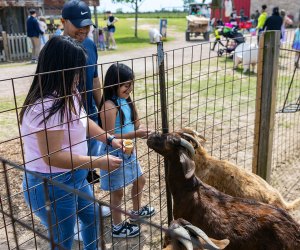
(97, 91)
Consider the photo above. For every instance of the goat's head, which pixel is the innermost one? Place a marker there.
(170, 145)
(186, 236)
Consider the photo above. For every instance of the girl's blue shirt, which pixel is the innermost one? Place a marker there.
(128, 123)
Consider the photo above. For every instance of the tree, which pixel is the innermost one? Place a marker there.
(134, 4)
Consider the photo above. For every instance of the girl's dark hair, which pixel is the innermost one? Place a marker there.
(55, 76)
(117, 74)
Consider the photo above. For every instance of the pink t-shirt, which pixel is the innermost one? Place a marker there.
(75, 143)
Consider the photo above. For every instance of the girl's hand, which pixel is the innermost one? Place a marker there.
(109, 162)
(117, 143)
(143, 133)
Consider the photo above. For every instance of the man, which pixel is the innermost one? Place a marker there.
(261, 21)
(33, 32)
(274, 22)
(76, 19)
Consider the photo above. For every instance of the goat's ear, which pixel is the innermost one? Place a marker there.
(188, 165)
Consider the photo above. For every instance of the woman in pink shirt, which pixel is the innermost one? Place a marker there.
(54, 126)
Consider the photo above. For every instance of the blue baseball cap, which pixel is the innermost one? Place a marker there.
(78, 13)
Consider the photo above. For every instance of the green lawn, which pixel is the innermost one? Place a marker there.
(125, 32)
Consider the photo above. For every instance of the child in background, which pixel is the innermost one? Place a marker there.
(296, 46)
(101, 40)
(43, 27)
(58, 31)
(119, 116)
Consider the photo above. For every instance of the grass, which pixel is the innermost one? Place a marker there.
(124, 34)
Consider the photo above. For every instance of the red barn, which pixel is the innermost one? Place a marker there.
(219, 13)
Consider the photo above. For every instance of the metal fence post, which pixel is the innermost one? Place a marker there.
(164, 118)
(267, 71)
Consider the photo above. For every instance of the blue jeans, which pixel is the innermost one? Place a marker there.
(94, 147)
(64, 206)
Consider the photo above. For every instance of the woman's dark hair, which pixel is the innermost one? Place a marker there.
(117, 74)
(60, 62)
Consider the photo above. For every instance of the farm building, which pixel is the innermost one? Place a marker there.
(13, 14)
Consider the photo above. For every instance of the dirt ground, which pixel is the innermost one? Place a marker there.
(285, 175)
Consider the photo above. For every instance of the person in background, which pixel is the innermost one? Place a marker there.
(261, 21)
(274, 22)
(256, 16)
(242, 15)
(58, 31)
(218, 33)
(285, 22)
(119, 116)
(33, 32)
(111, 20)
(53, 128)
(101, 40)
(43, 28)
(76, 19)
(296, 46)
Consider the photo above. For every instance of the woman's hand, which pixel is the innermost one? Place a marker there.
(143, 132)
(109, 162)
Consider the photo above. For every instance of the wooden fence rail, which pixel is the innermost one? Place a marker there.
(15, 47)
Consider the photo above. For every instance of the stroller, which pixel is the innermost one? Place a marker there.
(233, 39)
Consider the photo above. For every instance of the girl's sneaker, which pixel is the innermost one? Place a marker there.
(125, 230)
(144, 212)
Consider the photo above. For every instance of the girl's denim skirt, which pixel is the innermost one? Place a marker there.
(129, 170)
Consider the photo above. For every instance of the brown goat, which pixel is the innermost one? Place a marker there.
(248, 224)
(189, 237)
(231, 179)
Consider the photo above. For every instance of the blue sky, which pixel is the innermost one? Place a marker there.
(147, 5)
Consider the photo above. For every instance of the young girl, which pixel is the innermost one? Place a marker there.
(119, 117)
(296, 46)
(101, 40)
(54, 126)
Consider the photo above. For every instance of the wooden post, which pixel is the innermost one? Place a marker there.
(5, 45)
(267, 71)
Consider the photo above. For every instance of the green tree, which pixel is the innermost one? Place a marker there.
(134, 4)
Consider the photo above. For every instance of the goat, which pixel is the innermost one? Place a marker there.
(185, 236)
(246, 54)
(231, 179)
(248, 224)
(154, 36)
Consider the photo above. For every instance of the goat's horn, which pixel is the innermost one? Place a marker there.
(192, 139)
(202, 137)
(184, 237)
(184, 143)
(197, 231)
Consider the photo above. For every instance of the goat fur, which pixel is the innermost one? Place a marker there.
(231, 179)
(248, 224)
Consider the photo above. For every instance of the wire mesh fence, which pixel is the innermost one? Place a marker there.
(202, 90)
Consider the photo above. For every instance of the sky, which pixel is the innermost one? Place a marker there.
(147, 5)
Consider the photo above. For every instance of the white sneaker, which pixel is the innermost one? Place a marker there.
(105, 211)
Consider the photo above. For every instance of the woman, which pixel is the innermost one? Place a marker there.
(54, 127)
(286, 21)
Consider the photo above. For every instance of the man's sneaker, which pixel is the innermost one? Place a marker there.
(144, 212)
(125, 230)
(105, 211)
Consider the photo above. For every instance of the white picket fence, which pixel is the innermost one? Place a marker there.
(16, 47)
